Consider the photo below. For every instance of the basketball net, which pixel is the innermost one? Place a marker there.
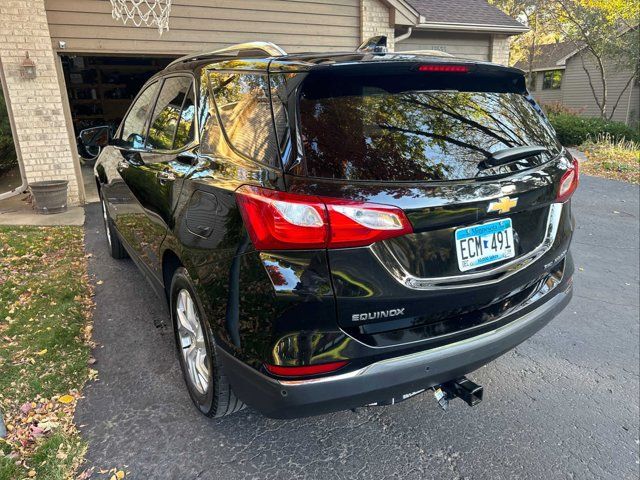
(152, 13)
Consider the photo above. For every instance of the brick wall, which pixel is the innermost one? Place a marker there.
(375, 21)
(499, 49)
(41, 130)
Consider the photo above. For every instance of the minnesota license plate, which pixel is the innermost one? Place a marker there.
(484, 244)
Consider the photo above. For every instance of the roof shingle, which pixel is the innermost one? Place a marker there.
(472, 12)
(547, 56)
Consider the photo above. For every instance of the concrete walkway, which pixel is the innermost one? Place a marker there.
(17, 210)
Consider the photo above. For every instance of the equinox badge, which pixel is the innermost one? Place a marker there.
(361, 317)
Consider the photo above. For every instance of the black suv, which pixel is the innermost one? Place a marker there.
(333, 230)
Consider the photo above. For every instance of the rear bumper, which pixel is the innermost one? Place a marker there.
(387, 378)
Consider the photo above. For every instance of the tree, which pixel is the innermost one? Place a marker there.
(535, 14)
(606, 33)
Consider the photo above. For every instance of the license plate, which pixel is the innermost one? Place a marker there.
(484, 244)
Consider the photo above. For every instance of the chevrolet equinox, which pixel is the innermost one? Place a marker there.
(334, 230)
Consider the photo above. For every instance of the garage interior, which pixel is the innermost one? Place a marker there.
(100, 88)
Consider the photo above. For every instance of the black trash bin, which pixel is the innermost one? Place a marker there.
(50, 196)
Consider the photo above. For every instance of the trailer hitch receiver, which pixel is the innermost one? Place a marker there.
(462, 388)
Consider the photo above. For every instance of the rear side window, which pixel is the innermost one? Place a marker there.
(185, 132)
(134, 125)
(243, 104)
(404, 129)
(167, 115)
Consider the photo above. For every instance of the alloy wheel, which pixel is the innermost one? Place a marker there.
(106, 222)
(192, 343)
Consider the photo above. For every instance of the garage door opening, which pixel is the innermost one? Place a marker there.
(12, 179)
(101, 88)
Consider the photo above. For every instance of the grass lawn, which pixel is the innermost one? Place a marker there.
(45, 330)
(617, 160)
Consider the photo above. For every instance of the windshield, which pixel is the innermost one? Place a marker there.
(357, 128)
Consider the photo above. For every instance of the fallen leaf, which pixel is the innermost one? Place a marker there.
(42, 352)
(65, 399)
(99, 282)
(32, 473)
(119, 474)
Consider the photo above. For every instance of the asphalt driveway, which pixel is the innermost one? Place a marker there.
(562, 405)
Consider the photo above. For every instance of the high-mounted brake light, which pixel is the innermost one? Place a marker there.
(569, 182)
(281, 220)
(443, 68)
(306, 370)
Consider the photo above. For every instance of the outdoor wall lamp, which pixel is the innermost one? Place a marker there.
(28, 68)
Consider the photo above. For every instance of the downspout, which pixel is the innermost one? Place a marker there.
(404, 36)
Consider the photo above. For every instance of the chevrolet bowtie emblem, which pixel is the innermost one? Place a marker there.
(503, 205)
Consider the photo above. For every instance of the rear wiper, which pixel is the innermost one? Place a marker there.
(511, 154)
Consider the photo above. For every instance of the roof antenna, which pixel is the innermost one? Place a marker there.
(374, 45)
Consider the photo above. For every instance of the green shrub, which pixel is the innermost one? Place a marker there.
(574, 130)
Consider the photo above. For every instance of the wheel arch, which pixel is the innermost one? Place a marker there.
(170, 263)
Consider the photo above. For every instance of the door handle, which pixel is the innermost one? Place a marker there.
(164, 177)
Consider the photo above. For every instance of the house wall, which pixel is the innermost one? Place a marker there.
(468, 45)
(547, 96)
(196, 25)
(375, 21)
(577, 94)
(499, 49)
(41, 131)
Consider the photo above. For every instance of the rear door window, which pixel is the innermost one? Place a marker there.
(167, 114)
(403, 129)
(242, 101)
(134, 125)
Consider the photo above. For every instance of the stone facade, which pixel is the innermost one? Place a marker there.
(42, 135)
(499, 49)
(374, 18)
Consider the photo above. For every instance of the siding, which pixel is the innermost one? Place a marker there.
(633, 107)
(576, 92)
(546, 96)
(467, 45)
(195, 25)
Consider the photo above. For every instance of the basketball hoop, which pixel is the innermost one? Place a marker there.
(152, 13)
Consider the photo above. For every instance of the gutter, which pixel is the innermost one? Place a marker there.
(513, 30)
(546, 69)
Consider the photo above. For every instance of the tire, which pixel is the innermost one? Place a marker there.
(116, 249)
(197, 352)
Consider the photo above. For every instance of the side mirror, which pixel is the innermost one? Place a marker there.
(95, 136)
(135, 141)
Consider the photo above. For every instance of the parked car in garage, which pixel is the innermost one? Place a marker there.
(333, 230)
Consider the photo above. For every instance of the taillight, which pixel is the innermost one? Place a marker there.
(443, 68)
(569, 182)
(277, 220)
(281, 220)
(306, 370)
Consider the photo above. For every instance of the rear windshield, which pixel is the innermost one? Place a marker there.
(388, 128)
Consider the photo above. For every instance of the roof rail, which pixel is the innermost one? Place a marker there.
(271, 49)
